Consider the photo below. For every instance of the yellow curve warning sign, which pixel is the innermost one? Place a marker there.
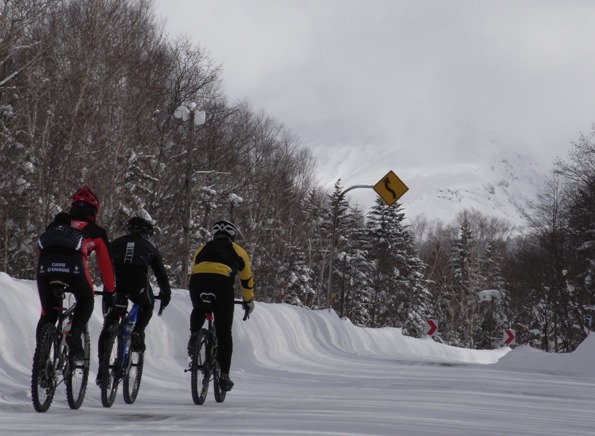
(390, 188)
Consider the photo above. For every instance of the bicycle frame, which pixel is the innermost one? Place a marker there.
(65, 314)
(206, 368)
(119, 363)
(126, 325)
(52, 364)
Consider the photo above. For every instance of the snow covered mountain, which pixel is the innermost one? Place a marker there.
(493, 179)
(501, 187)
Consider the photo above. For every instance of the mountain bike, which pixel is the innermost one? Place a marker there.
(204, 362)
(52, 363)
(119, 363)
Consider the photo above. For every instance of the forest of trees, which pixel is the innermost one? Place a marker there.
(88, 89)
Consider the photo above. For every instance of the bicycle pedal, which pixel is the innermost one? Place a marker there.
(46, 383)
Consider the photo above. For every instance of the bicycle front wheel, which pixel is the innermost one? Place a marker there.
(110, 369)
(200, 368)
(133, 376)
(78, 376)
(43, 375)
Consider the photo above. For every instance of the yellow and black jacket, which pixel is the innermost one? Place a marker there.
(225, 257)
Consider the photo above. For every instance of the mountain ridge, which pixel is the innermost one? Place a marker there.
(498, 181)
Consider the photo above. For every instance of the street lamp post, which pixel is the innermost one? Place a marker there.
(343, 285)
(195, 118)
(333, 239)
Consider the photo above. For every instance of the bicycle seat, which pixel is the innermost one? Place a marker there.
(59, 288)
(208, 299)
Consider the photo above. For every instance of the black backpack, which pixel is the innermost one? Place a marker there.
(62, 235)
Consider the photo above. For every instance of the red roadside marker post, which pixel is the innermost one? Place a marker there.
(432, 327)
(509, 337)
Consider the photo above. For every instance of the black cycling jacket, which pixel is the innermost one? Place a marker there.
(136, 252)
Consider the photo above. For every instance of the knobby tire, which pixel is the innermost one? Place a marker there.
(110, 369)
(78, 376)
(219, 393)
(133, 376)
(200, 368)
(43, 374)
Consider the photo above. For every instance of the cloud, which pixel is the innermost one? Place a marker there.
(416, 83)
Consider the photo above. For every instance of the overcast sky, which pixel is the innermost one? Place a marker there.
(411, 85)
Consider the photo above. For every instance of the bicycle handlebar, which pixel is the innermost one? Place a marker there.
(156, 297)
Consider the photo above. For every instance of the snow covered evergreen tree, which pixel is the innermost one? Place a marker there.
(317, 235)
(465, 281)
(337, 217)
(297, 277)
(493, 298)
(401, 295)
(357, 295)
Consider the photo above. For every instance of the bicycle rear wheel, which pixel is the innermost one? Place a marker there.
(43, 375)
(200, 368)
(219, 393)
(78, 376)
(110, 368)
(133, 376)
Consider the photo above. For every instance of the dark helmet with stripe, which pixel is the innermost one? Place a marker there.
(227, 229)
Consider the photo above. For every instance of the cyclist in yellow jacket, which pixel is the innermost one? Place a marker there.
(214, 269)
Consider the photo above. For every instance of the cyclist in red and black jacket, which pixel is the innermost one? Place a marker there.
(70, 266)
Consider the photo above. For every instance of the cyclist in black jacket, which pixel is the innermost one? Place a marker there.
(132, 255)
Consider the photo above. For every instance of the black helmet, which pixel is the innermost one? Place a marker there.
(225, 228)
(139, 226)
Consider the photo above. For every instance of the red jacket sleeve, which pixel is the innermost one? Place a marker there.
(96, 240)
(104, 263)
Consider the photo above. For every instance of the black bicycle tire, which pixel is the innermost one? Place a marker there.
(45, 349)
(110, 369)
(219, 393)
(75, 396)
(200, 370)
(131, 389)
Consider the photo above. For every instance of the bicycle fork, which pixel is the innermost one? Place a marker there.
(124, 357)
